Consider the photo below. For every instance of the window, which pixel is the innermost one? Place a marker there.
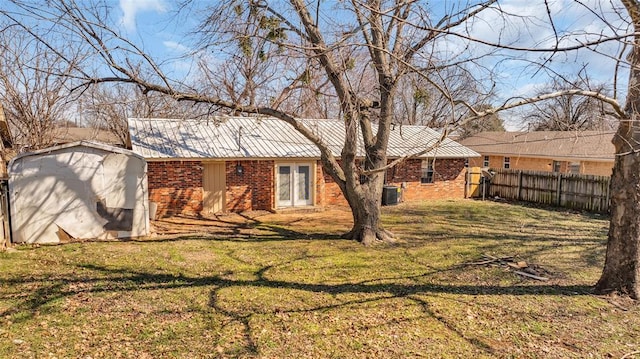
(427, 171)
(485, 163)
(507, 162)
(574, 167)
(557, 166)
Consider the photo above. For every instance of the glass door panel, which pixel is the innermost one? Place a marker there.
(294, 185)
(284, 185)
(303, 185)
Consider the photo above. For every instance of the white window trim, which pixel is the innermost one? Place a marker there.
(427, 166)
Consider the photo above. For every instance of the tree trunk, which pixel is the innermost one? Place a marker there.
(367, 227)
(621, 271)
(365, 201)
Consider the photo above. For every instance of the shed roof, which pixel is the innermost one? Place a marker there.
(250, 137)
(578, 145)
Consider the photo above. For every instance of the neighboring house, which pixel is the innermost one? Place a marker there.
(80, 190)
(64, 135)
(584, 152)
(241, 163)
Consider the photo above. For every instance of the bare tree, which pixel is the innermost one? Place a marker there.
(108, 107)
(621, 271)
(428, 101)
(571, 112)
(34, 88)
(491, 122)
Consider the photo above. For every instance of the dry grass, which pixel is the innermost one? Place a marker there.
(285, 286)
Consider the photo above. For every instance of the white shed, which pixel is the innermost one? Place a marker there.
(80, 190)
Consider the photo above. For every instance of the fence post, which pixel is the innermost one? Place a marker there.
(519, 185)
(467, 186)
(559, 190)
(608, 199)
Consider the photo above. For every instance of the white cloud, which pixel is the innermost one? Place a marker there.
(131, 8)
(529, 89)
(175, 46)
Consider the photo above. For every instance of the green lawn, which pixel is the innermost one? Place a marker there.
(285, 286)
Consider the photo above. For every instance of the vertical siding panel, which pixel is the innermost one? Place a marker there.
(213, 185)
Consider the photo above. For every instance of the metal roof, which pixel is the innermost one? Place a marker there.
(97, 145)
(591, 145)
(250, 137)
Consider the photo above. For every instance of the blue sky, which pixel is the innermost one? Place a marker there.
(149, 20)
(152, 24)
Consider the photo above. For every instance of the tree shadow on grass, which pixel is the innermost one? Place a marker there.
(238, 227)
(103, 279)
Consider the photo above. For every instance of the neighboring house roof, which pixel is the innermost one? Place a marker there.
(62, 135)
(565, 145)
(249, 137)
(73, 134)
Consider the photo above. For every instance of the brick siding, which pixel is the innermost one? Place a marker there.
(449, 182)
(251, 190)
(176, 187)
(448, 179)
(331, 195)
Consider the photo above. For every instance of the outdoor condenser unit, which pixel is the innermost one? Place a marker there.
(389, 195)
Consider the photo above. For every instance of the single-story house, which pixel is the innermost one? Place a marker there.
(584, 152)
(245, 163)
(80, 190)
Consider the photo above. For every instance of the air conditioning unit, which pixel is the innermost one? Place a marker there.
(389, 195)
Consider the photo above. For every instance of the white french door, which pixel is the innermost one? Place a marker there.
(293, 184)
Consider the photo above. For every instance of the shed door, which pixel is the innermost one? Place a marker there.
(213, 186)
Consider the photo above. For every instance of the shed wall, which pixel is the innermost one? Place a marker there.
(78, 192)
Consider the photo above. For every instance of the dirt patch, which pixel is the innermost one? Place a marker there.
(251, 224)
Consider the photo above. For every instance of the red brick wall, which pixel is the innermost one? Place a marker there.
(329, 194)
(449, 180)
(176, 186)
(251, 190)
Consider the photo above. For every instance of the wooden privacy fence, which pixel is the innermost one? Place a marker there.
(583, 192)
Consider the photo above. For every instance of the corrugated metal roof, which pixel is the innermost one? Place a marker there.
(593, 145)
(248, 137)
(97, 145)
